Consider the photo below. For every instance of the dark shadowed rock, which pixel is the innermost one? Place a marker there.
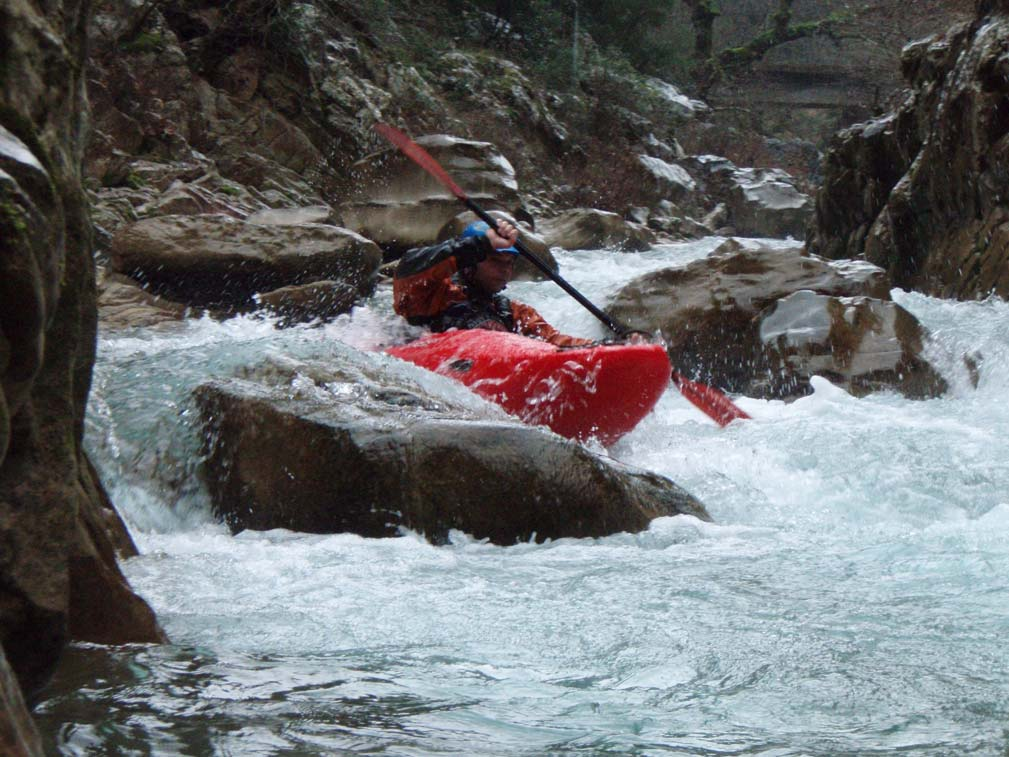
(591, 229)
(708, 310)
(18, 735)
(58, 573)
(218, 261)
(859, 343)
(361, 449)
(923, 190)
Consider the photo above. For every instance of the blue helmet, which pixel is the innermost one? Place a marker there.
(479, 229)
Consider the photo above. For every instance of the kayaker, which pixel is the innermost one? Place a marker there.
(457, 285)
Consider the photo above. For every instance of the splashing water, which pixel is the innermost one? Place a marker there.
(850, 599)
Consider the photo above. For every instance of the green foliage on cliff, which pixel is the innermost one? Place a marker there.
(146, 42)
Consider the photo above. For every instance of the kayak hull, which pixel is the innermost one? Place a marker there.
(580, 393)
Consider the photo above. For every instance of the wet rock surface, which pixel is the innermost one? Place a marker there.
(123, 303)
(859, 343)
(710, 313)
(360, 448)
(18, 735)
(219, 261)
(400, 205)
(590, 229)
(922, 190)
(59, 579)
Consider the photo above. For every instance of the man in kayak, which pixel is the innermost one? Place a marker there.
(457, 285)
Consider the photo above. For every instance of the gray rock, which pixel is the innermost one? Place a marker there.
(591, 229)
(684, 107)
(359, 448)
(708, 311)
(667, 181)
(218, 261)
(860, 343)
(399, 205)
(766, 203)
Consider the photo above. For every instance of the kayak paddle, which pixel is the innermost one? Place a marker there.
(710, 401)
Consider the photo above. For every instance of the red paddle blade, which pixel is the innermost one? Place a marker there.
(420, 156)
(708, 400)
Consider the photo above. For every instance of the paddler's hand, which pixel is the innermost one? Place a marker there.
(504, 236)
(637, 337)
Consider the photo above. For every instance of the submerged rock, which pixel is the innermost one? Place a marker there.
(359, 448)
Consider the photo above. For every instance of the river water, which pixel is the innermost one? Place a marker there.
(851, 597)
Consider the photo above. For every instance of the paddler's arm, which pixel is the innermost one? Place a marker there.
(422, 284)
(530, 323)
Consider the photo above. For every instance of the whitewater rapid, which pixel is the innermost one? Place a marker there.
(850, 598)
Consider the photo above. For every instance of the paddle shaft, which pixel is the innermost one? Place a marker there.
(529, 255)
(710, 401)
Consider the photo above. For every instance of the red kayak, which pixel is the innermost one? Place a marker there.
(580, 392)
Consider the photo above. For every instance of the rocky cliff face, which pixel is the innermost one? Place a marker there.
(922, 191)
(254, 105)
(58, 575)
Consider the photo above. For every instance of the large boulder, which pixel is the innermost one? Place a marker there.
(591, 229)
(760, 202)
(360, 448)
(661, 180)
(709, 313)
(59, 579)
(219, 261)
(859, 343)
(400, 205)
(764, 202)
(921, 191)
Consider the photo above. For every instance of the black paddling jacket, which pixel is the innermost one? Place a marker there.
(428, 291)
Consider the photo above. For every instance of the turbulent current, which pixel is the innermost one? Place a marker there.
(852, 596)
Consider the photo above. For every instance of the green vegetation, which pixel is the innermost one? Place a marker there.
(146, 42)
(12, 217)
